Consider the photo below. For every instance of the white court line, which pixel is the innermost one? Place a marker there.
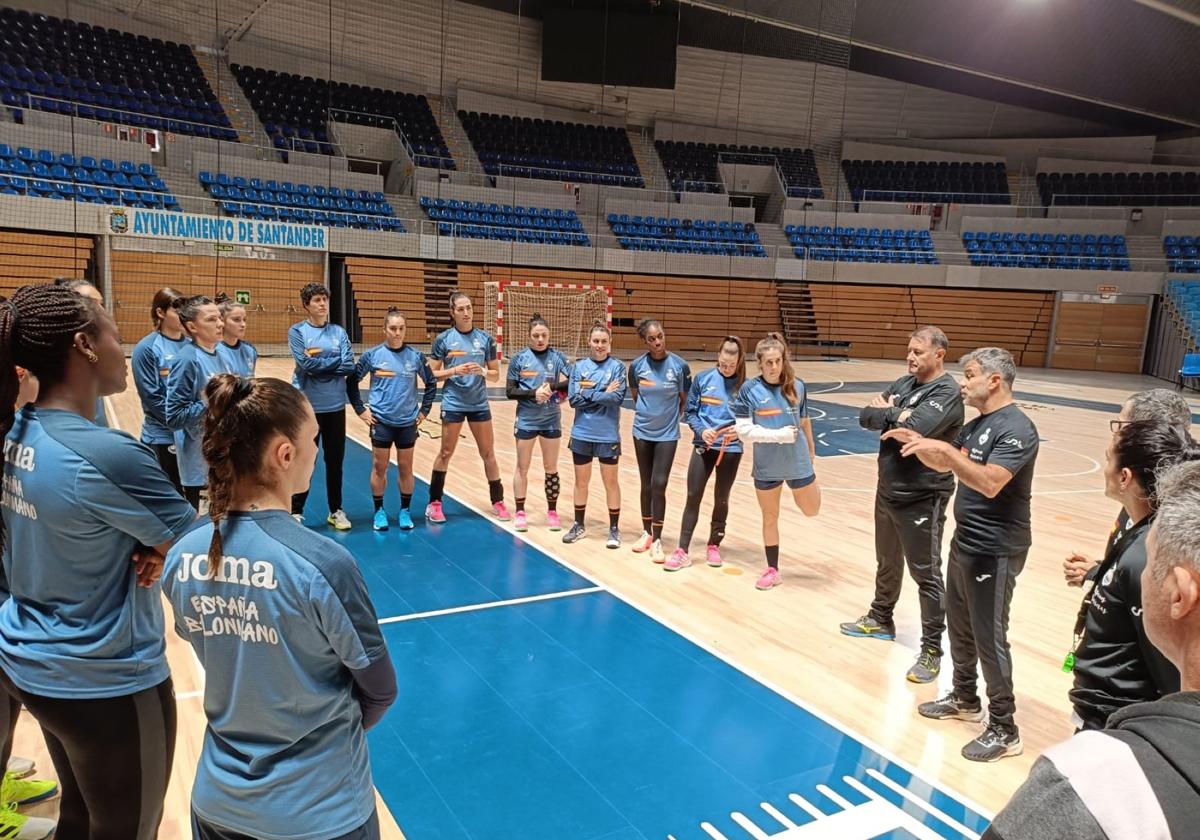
(188, 695)
(761, 680)
(1094, 468)
(836, 387)
(549, 596)
(919, 802)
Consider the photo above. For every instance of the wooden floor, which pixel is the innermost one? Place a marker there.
(789, 636)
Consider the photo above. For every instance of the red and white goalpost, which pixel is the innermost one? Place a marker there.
(569, 310)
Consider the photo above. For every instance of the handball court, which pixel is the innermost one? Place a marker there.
(554, 691)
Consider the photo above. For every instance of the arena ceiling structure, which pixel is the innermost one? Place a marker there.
(1115, 66)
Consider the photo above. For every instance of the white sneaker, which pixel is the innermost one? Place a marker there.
(643, 543)
(21, 767)
(18, 826)
(656, 552)
(339, 520)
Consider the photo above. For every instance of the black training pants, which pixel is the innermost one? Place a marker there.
(700, 467)
(332, 437)
(202, 830)
(911, 531)
(979, 590)
(654, 460)
(165, 453)
(113, 759)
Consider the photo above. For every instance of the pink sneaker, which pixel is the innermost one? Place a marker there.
(501, 512)
(433, 512)
(552, 520)
(520, 523)
(712, 556)
(678, 560)
(643, 543)
(769, 580)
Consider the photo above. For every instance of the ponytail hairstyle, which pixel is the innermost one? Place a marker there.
(646, 324)
(394, 312)
(226, 304)
(189, 308)
(787, 379)
(37, 332)
(164, 299)
(536, 320)
(740, 372)
(601, 326)
(1144, 447)
(243, 416)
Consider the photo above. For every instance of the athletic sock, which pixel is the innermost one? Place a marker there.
(378, 500)
(773, 556)
(613, 516)
(437, 484)
(520, 503)
(405, 500)
(656, 530)
(646, 524)
(580, 511)
(496, 491)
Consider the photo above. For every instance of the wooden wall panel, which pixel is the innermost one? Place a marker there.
(1100, 336)
(41, 258)
(274, 287)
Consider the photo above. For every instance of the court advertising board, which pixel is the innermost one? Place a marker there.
(166, 224)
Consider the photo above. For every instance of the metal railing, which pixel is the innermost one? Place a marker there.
(935, 197)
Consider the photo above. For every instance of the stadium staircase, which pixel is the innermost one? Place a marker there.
(445, 111)
(798, 317)
(949, 248)
(229, 94)
(647, 158)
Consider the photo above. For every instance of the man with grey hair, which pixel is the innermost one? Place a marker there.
(911, 499)
(1139, 778)
(993, 459)
(1153, 404)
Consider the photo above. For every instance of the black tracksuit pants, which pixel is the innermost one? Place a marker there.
(910, 532)
(979, 590)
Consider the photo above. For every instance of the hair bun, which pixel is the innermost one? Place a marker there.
(222, 298)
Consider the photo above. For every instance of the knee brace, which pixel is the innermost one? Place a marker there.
(552, 486)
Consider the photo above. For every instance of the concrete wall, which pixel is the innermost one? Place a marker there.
(861, 150)
(743, 178)
(1069, 165)
(1096, 226)
(330, 175)
(363, 141)
(895, 221)
(679, 211)
(62, 134)
(671, 130)
(469, 99)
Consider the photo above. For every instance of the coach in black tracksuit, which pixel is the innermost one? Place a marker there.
(993, 463)
(911, 499)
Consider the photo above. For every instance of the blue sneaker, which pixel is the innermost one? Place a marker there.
(381, 520)
(406, 523)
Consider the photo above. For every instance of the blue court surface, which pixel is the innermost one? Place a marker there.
(574, 715)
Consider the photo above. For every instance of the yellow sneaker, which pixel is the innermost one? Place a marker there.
(14, 826)
(16, 791)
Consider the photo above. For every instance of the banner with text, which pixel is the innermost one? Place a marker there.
(165, 224)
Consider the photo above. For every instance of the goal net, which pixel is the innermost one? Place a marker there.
(569, 310)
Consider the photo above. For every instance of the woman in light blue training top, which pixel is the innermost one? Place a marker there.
(152, 360)
(465, 359)
(195, 365)
(81, 631)
(394, 411)
(323, 358)
(537, 379)
(241, 354)
(772, 413)
(659, 383)
(596, 391)
(297, 669)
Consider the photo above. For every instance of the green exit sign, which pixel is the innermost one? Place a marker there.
(242, 297)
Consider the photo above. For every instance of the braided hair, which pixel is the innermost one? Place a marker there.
(243, 416)
(38, 325)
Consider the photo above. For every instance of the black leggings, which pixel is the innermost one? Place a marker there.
(10, 710)
(700, 467)
(332, 437)
(165, 452)
(207, 831)
(654, 460)
(113, 760)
